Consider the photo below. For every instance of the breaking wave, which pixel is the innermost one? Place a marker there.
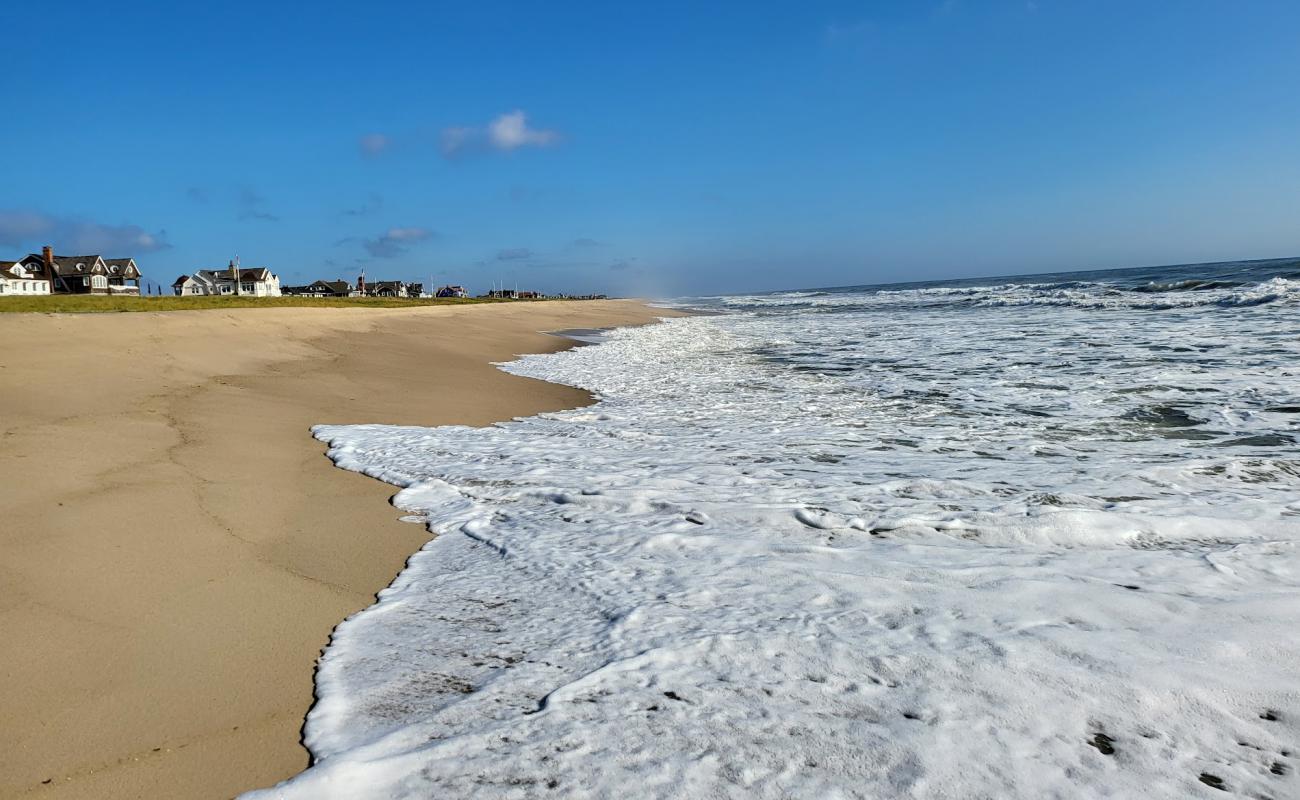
(1018, 541)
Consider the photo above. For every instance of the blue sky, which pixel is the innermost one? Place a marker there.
(653, 148)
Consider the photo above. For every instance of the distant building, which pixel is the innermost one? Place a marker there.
(342, 288)
(15, 278)
(234, 280)
(339, 288)
(384, 289)
(513, 294)
(451, 291)
(91, 274)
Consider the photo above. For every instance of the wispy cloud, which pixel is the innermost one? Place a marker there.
(505, 134)
(514, 254)
(374, 144)
(69, 234)
(849, 32)
(372, 204)
(395, 241)
(584, 243)
(457, 140)
(250, 206)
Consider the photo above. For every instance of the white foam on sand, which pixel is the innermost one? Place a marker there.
(736, 577)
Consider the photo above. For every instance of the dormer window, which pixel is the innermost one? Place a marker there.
(81, 268)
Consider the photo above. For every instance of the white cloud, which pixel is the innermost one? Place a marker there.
(511, 131)
(506, 133)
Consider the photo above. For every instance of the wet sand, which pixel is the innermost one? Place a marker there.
(175, 546)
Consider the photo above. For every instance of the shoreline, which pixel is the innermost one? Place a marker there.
(179, 547)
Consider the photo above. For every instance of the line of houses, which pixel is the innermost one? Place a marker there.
(341, 288)
(48, 273)
(261, 282)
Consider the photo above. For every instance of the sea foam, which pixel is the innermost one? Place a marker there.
(1019, 550)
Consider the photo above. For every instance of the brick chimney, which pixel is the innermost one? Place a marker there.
(47, 256)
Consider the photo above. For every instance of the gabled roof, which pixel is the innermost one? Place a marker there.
(91, 264)
(123, 265)
(216, 275)
(67, 265)
(181, 281)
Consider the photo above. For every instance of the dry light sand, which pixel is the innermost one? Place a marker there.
(174, 546)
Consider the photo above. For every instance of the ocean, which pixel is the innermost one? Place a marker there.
(1016, 537)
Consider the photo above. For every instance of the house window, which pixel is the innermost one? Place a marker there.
(98, 282)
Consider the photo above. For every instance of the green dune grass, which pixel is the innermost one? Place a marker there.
(85, 303)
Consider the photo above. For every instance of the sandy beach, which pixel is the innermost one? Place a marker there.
(176, 548)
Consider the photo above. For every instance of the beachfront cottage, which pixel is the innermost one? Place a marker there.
(234, 280)
(339, 288)
(451, 291)
(91, 274)
(17, 279)
(386, 289)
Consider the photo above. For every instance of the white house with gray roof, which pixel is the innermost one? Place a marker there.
(234, 280)
(17, 279)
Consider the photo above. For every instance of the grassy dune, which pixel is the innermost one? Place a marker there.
(85, 303)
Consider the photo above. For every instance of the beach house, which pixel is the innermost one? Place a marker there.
(233, 280)
(339, 288)
(451, 291)
(91, 274)
(16, 278)
(386, 289)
